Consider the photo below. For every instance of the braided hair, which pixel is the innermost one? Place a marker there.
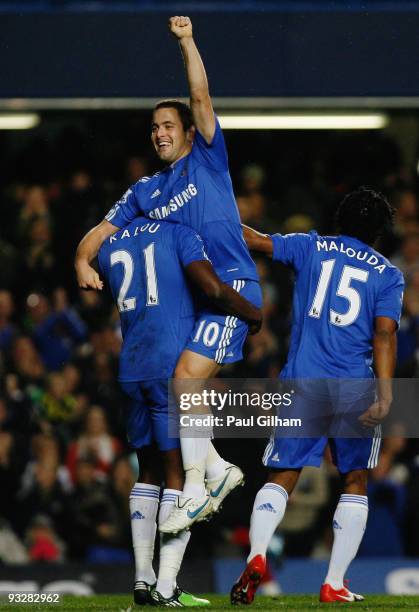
(364, 214)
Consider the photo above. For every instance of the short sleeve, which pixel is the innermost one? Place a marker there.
(190, 246)
(124, 210)
(213, 155)
(390, 298)
(291, 249)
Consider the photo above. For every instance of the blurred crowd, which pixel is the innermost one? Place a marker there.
(65, 468)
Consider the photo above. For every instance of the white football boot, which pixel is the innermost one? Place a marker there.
(220, 487)
(186, 511)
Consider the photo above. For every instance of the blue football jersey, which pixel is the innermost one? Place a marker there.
(143, 265)
(341, 286)
(196, 191)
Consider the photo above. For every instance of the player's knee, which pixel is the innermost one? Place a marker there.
(174, 475)
(149, 469)
(287, 479)
(356, 482)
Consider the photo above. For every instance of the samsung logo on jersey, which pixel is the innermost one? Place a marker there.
(148, 227)
(369, 258)
(174, 203)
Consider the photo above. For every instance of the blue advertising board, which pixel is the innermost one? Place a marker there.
(396, 576)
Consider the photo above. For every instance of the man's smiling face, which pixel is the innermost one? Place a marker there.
(168, 136)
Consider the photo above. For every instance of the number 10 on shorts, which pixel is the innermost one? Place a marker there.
(210, 335)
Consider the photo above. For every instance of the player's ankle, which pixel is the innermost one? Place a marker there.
(146, 576)
(336, 584)
(195, 490)
(216, 469)
(165, 588)
(255, 552)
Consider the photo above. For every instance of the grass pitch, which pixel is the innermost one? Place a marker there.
(302, 603)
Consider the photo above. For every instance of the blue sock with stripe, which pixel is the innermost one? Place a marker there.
(143, 505)
(349, 522)
(268, 511)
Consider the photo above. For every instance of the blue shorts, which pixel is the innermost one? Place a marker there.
(357, 449)
(146, 416)
(220, 337)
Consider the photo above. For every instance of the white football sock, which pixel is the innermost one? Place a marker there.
(215, 465)
(194, 442)
(349, 523)
(172, 547)
(143, 505)
(268, 511)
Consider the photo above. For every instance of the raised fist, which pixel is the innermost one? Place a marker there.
(181, 27)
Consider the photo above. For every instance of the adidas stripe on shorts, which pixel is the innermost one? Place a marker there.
(221, 337)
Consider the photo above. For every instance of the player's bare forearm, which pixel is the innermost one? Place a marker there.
(87, 250)
(201, 104)
(257, 242)
(234, 304)
(203, 276)
(384, 360)
(384, 355)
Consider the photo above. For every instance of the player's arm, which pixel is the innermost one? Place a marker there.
(87, 277)
(384, 361)
(257, 242)
(201, 104)
(202, 275)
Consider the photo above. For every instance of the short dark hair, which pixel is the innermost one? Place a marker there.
(364, 214)
(183, 109)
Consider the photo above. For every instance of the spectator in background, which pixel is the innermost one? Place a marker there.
(253, 199)
(407, 258)
(9, 265)
(19, 408)
(136, 168)
(93, 310)
(59, 410)
(35, 207)
(94, 518)
(38, 262)
(72, 376)
(10, 468)
(27, 364)
(42, 541)
(406, 218)
(45, 449)
(74, 213)
(96, 443)
(7, 329)
(57, 331)
(100, 369)
(45, 496)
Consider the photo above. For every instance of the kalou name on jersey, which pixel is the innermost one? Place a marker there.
(143, 265)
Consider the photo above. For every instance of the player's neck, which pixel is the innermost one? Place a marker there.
(184, 153)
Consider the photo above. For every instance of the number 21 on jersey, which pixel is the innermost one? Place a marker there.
(125, 258)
